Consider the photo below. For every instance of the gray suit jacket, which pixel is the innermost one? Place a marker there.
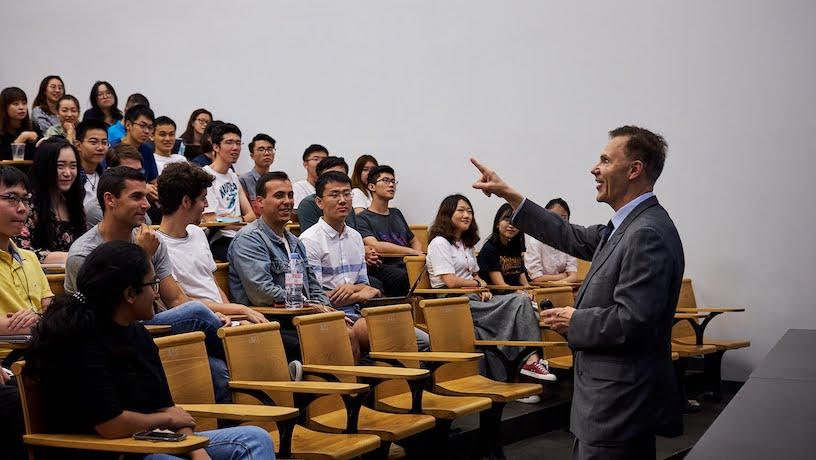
(620, 332)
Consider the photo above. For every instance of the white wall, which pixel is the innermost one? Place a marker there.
(530, 87)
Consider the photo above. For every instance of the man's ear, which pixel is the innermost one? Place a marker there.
(636, 169)
(371, 187)
(186, 202)
(109, 199)
(130, 295)
(319, 202)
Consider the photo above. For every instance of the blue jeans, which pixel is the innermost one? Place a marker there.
(195, 316)
(238, 443)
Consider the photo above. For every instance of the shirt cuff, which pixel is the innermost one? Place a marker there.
(515, 211)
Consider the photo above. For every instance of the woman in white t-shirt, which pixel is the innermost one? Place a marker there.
(452, 264)
(545, 263)
(360, 196)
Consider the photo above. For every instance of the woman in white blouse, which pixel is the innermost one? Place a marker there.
(360, 196)
(545, 263)
(451, 263)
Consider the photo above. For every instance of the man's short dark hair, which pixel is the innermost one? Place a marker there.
(206, 138)
(377, 171)
(136, 99)
(331, 162)
(89, 125)
(313, 149)
(332, 176)
(646, 146)
(178, 180)
(260, 188)
(113, 182)
(560, 202)
(260, 137)
(222, 130)
(10, 176)
(139, 110)
(120, 152)
(163, 120)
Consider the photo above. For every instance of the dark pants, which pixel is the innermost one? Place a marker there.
(394, 278)
(219, 248)
(11, 423)
(642, 448)
(291, 344)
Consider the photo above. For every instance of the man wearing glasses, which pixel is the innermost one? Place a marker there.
(385, 230)
(309, 212)
(92, 143)
(226, 200)
(24, 290)
(139, 127)
(311, 157)
(262, 152)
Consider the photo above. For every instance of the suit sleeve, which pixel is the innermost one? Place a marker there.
(550, 229)
(640, 298)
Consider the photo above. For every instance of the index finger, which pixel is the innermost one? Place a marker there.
(481, 167)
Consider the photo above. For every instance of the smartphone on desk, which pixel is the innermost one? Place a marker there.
(160, 435)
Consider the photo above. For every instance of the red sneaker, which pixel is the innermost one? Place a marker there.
(537, 370)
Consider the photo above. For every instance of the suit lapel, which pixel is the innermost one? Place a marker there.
(603, 254)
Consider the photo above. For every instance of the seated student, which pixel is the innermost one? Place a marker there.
(207, 154)
(545, 263)
(99, 370)
(25, 291)
(193, 136)
(15, 124)
(336, 254)
(104, 104)
(164, 138)
(385, 230)
(500, 259)
(124, 155)
(183, 197)
(225, 197)
(262, 152)
(451, 264)
(44, 108)
(68, 113)
(92, 143)
(117, 130)
(361, 197)
(309, 212)
(311, 157)
(56, 217)
(139, 125)
(122, 195)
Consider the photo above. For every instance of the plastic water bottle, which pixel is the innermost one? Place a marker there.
(182, 148)
(294, 282)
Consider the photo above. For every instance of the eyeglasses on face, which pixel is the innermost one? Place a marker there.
(145, 127)
(153, 284)
(15, 199)
(337, 194)
(265, 149)
(388, 181)
(232, 142)
(203, 121)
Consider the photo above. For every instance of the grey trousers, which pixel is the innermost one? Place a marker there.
(642, 448)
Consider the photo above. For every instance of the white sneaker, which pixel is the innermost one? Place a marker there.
(534, 399)
(296, 371)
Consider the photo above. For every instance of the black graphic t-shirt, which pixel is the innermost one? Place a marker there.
(500, 258)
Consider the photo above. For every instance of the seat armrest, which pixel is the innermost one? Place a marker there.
(517, 343)
(243, 412)
(120, 445)
(376, 372)
(430, 356)
(321, 388)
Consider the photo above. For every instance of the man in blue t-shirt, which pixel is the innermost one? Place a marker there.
(139, 126)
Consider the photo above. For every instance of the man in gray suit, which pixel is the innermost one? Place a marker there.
(620, 329)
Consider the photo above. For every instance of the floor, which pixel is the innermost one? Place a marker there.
(557, 444)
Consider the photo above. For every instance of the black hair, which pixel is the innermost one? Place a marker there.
(188, 135)
(312, 149)
(331, 162)
(261, 137)
(10, 176)
(178, 180)
(41, 100)
(108, 271)
(260, 188)
(113, 181)
(136, 99)
(89, 125)
(43, 175)
(377, 171)
(163, 120)
(68, 97)
(357, 173)
(206, 138)
(9, 96)
(223, 129)
(559, 202)
(442, 225)
(332, 176)
(516, 244)
(114, 110)
(139, 110)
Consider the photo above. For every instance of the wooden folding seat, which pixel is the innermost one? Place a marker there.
(222, 277)
(392, 340)
(326, 351)
(57, 283)
(36, 436)
(450, 326)
(421, 233)
(415, 266)
(259, 373)
(683, 336)
(558, 357)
